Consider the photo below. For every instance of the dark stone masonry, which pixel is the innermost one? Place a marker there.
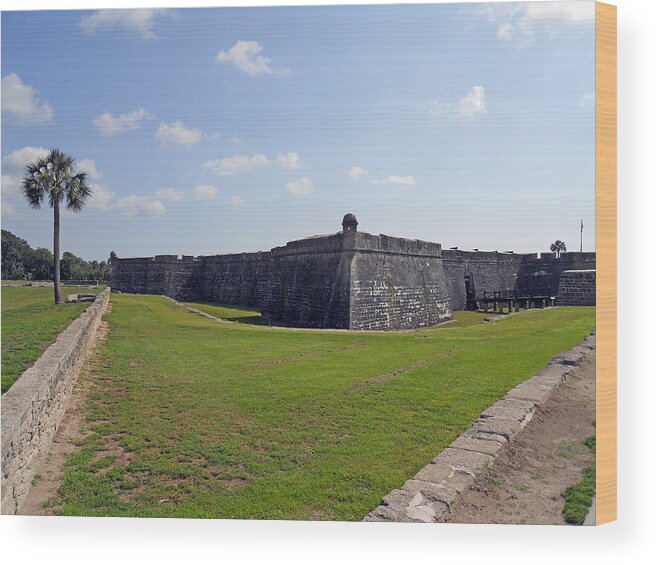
(577, 288)
(350, 280)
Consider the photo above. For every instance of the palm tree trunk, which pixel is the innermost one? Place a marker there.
(55, 246)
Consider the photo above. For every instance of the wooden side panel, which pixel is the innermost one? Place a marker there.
(606, 185)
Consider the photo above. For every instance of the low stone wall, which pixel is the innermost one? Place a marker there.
(34, 406)
(578, 288)
(428, 496)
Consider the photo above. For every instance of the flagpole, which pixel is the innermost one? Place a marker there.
(581, 236)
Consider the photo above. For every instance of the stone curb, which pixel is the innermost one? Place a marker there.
(33, 407)
(428, 496)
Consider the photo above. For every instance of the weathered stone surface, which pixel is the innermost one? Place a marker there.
(491, 271)
(572, 357)
(351, 280)
(485, 445)
(33, 407)
(384, 514)
(430, 492)
(552, 373)
(536, 393)
(510, 408)
(421, 513)
(498, 427)
(463, 459)
(460, 480)
(348, 280)
(398, 500)
(434, 473)
(577, 288)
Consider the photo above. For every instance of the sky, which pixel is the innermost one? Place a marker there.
(218, 130)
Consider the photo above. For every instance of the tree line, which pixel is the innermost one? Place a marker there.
(20, 261)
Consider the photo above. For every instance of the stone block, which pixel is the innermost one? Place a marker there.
(497, 427)
(463, 459)
(531, 392)
(434, 473)
(484, 446)
(510, 408)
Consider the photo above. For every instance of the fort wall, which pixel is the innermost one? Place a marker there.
(232, 279)
(541, 275)
(492, 271)
(577, 288)
(487, 271)
(349, 280)
(308, 284)
(396, 283)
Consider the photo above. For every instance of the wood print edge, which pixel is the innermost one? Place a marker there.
(606, 227)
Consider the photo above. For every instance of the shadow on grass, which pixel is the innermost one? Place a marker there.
(232, 313)
(252, 316)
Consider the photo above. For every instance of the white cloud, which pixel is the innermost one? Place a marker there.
(133, 205)
(13, 167)
(246, 56)
(100, 198)
(236, 164)
(205, 191)
(89, 167)
(10, 184)
(137, 20)
(9, 210)
(291, 161)
(588, 100)
(108, 124)
(397, 181)
(170, 194)
(473, 103)
(299, 187)
(19, 159)
(236, 140)
(176, 133)
(23, 101)
(237, 201)
(520, 23)
(356, 173)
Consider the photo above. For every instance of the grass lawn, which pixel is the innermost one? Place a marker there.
(30, 322)
(189, 417)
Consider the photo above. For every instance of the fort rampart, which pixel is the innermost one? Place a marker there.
(348, 280)
(577, 288)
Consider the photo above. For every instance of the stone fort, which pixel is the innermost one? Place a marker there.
(359, 281)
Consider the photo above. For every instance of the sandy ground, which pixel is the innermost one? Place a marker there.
(526, 482)
(49, 474)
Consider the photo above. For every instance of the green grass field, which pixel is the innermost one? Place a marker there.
(30, 322)
(191, 417)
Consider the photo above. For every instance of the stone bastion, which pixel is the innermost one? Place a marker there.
(350, 279)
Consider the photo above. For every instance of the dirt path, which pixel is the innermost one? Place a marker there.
(49, 475)
(525, 485)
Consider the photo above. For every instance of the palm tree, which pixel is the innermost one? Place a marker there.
(558, 247)
(54, 178)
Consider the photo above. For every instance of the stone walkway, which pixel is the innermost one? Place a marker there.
(430, 494)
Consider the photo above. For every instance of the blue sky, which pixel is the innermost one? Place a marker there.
(237, 129)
